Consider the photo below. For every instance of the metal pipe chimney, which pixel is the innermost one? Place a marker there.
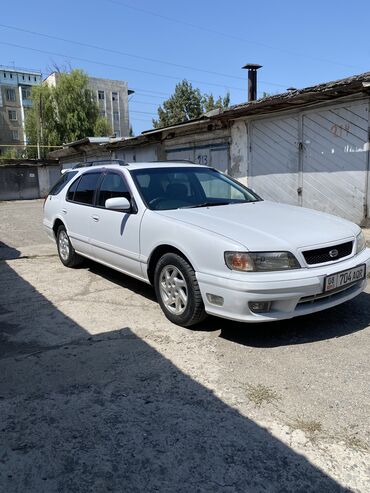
(252, 80)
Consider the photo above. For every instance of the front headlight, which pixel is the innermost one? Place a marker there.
(360, 242)
(261, 261)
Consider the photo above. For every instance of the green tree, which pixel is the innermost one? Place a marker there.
(185, 104)
(64, 113)
(210, 103)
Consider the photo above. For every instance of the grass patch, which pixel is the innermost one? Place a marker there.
(308, 426)
(260, 394)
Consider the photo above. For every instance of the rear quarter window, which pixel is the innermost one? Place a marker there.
(62, 182)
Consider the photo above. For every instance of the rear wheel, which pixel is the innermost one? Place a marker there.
(178, 291)
(66, 252)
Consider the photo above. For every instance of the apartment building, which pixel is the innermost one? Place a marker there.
(112, 99)
(15, 98)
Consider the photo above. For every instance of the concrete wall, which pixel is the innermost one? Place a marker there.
(48, 176)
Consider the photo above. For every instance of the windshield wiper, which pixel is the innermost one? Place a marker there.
(204, 204)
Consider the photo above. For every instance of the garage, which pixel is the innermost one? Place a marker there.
(315, 158)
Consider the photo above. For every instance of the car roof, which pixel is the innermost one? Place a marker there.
(144, 165)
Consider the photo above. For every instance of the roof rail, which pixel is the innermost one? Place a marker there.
(184, 161)
(108, 161)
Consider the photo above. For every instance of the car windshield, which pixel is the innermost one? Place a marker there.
(189, 187)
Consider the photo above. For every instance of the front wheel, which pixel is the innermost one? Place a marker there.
(66, 252)
(178, 291)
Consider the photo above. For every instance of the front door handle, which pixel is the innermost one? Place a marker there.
(64, 211)
(96, 218)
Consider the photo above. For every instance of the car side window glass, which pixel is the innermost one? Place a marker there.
(62, 182)
(113, 185)
(72, 189)
(86, 187)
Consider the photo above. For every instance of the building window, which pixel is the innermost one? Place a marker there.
(10, 95)
(102, 113)
(34, 79)
(4, 75)
(15, 135)
(101, 95)
(11, 76)
(115, 116)
(26, 93)
(114, 96)
(12, 115)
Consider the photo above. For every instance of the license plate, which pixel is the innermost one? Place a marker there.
(335, 281)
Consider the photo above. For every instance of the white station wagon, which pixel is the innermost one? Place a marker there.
(207, 243)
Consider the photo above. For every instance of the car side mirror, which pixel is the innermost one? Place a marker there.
(118, 204)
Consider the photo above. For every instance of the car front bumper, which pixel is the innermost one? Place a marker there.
(291, 293)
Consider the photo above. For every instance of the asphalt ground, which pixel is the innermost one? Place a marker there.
(99, 392)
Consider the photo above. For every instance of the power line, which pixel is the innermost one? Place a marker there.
(103, 64)
(231, 36)
(135, 101)
(117, 52)
(142, 112)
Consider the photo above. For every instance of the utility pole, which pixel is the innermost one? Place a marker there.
(41, 129)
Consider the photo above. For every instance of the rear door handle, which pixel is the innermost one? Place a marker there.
(64, 211)
(96, 218)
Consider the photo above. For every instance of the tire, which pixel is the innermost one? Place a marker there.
(66, 252)
(178, 291)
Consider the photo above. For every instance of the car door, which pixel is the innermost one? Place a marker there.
(77, 210)
(114, 235)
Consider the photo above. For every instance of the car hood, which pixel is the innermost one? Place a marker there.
(267, 225)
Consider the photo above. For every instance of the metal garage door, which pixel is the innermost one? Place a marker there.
(215, 155)
(274, 165)
(18, 182)
(335, 161)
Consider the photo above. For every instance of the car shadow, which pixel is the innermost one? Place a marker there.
(108, 412)
(134, 285)
(339, 321)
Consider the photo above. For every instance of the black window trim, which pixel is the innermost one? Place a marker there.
(103, 173)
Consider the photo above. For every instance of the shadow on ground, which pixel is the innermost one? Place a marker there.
(109, 413)
(352, 316)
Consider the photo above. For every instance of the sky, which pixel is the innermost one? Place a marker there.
(154, 45)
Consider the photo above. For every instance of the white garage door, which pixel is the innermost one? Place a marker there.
(274, 159)
(335, 160)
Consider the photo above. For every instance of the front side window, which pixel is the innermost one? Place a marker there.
(178, 187)
(86, 187)
(62, 182)
(112, 186)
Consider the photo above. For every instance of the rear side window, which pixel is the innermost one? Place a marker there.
(86, 187)
(62, 182)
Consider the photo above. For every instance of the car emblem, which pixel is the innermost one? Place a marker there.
(333, 253)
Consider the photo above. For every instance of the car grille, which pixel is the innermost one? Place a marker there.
(322, 255)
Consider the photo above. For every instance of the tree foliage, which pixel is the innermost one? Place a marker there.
(64, 113)
(187, 103)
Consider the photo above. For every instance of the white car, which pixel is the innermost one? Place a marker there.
(207, 243)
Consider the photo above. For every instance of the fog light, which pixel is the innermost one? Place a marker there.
(259, 306)
(214, 299)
